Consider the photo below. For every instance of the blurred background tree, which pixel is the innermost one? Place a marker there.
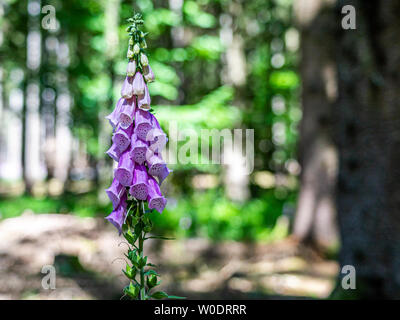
(349, 139)
(367, 135)
(315, 221)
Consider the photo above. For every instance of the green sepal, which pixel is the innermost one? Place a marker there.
(151, 281)
(148, 224)
(132, 291)
(142, 262)
(130, 272)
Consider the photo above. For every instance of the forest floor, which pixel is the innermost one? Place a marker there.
(85, 254)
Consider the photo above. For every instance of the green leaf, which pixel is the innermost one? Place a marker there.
(133, 257)
(176, 297)
(160, 237)
(134, 221)
(159, 295)
(129, 237)
(145, 219)
(151, 272)
(142, 262)
(132, 204)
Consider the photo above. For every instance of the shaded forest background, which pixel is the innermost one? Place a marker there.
(219, 64)
(321, 100)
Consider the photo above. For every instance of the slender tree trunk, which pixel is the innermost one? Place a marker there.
(112, 41)
(30, 157)
(27, 74)
(47, 109)
(368, 135)
(315, 220)
(3, 146)
(25, 177)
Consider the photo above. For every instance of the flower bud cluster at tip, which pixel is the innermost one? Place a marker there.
(137, 43)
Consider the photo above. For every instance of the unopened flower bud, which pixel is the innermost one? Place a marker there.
(136, 48)
(131, 42)
(127, 88)
(129, 54)
(143, 60)
(131, 69)
(138, 84)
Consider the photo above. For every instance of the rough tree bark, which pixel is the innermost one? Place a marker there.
(368, 137)
(315, 220)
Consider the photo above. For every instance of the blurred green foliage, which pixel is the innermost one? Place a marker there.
(210, 214)
(86, 205)
(188, 54)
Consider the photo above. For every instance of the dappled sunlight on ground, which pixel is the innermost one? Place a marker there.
(86, 252)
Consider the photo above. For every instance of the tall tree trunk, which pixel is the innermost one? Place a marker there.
(315, 220)
(368, 134)
(30, 112)
(48, 98)
(25, 177)
(111, 9)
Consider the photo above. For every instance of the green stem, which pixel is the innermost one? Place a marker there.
(141, 240)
